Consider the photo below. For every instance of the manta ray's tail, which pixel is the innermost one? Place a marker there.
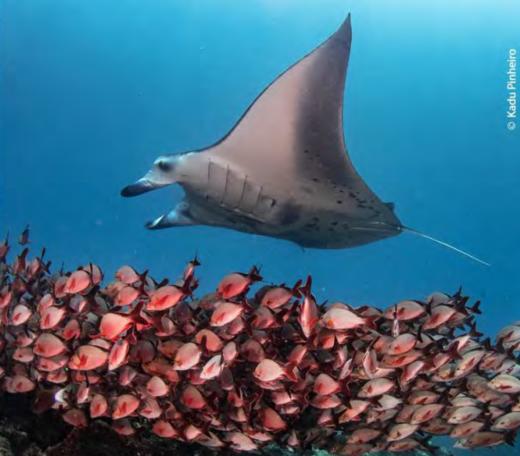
(445, 244)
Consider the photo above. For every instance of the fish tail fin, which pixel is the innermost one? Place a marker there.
(445, 244)
(295, 290)
(509, 438)
(476, 308)
(136, 315)
(254, 274)
(371, 321)
(473, 330)
(453, 352)
(306, 289)
(142, 279)
(291, 372)
(196, 260)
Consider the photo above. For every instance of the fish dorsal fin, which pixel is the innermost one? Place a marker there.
(294, 129)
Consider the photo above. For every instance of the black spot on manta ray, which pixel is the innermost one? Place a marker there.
(290, 214)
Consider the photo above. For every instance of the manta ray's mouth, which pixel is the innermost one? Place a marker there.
(141, 186)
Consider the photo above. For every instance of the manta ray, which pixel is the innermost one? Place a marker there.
(283, 170)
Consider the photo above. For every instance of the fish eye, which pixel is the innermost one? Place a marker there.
(164, 166)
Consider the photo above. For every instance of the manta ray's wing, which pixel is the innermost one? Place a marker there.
(294, 129)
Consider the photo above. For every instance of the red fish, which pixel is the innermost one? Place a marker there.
(376, 387)
(461, 415)
(212, 368)
(324, 384)
(269, 371)
(209, 340)
(78, 281)
(23, 355)
(21, 314)
(113, 325)
(75, 417)
(51, 316)
(19, 384)
(363, 435)
(276, 297)
(125, 405)
(123, 427)
(164, 429)
(127, 275)
(98, 406)
(401, 431)
(126, 296)
(156, 387)
(439, 316)
(481, 439)
(164, 298)
(187, 356)
(48, 345)
(71, 330)
(88, 357)
(405, 311)
(151, 409)
(230, 352)
(326, 402)
(225, 312)
(237, 283)
(508, 422)
(192, 398)
(505, 383)
(426, 413)
(309, 315)
(402, 344)
(53, 363)
(241, 442)
(341, 318)
(118, 354)
(272, 421)
(466, 429)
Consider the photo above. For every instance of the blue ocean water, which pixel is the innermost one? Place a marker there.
(91, 92)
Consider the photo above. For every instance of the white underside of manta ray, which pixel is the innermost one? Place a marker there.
(283, 170)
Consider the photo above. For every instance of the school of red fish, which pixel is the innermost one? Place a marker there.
(240, 369)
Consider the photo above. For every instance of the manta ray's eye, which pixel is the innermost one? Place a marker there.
(164, 166)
